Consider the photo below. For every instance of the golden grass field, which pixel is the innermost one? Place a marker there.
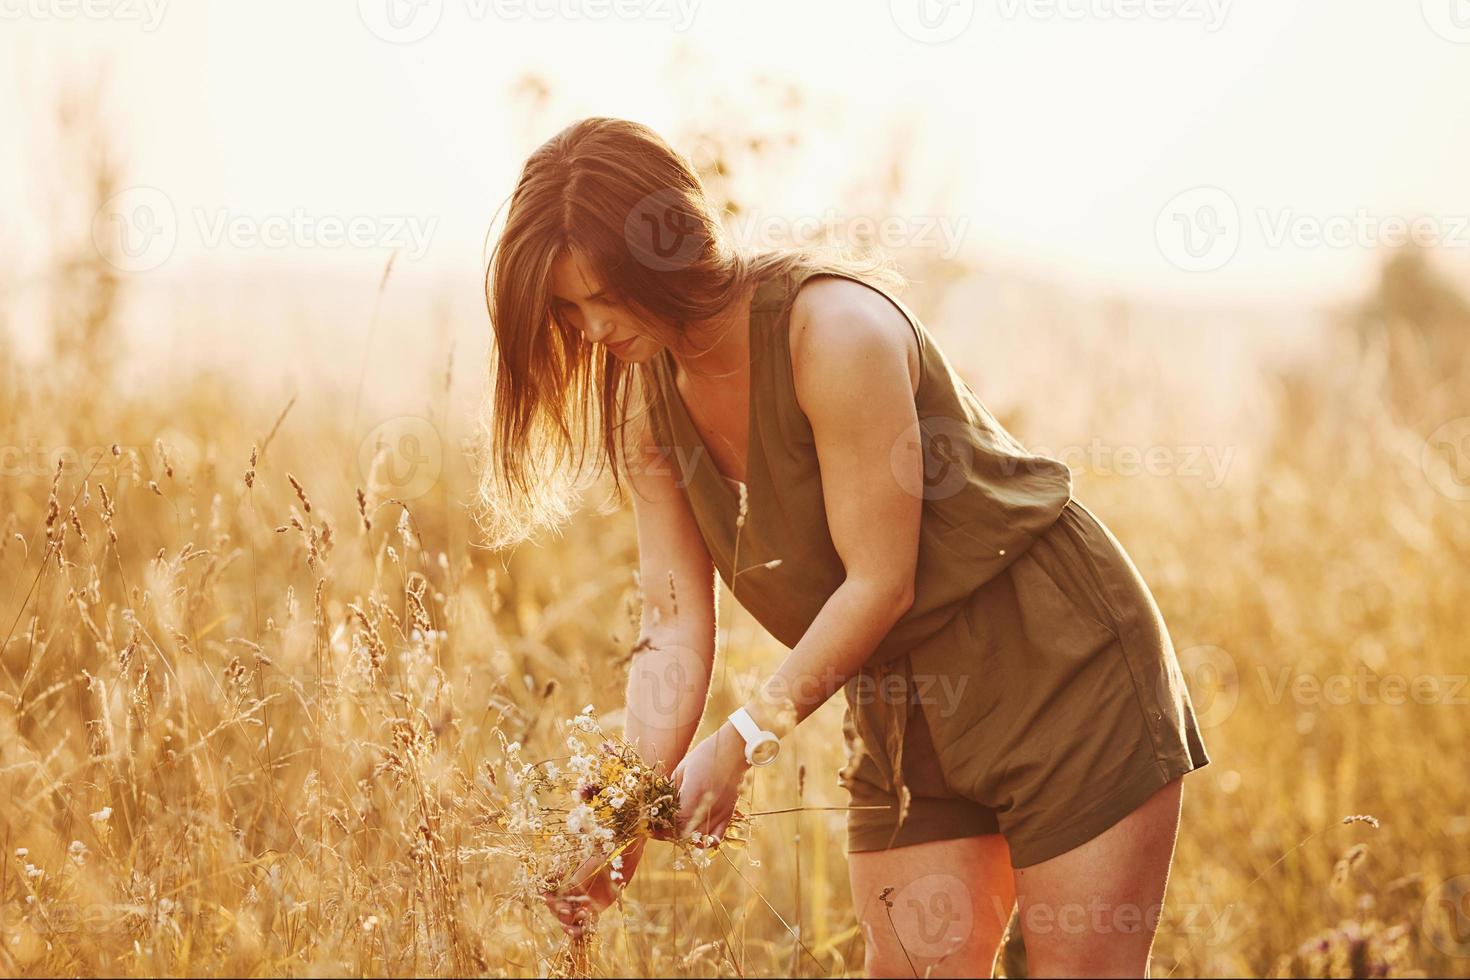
(245, 720)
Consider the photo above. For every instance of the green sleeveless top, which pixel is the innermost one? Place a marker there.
(985, 497)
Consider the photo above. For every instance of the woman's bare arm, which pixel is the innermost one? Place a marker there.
(853, 352)
(854, 382)
(668, 679)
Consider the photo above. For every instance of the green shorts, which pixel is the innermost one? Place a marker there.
(1047, 710)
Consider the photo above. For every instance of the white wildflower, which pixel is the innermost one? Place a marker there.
(580, 820)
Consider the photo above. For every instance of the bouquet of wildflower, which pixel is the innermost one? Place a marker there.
(601, 800)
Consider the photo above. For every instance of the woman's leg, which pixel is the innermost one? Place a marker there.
(942, 904)
(1093, 911)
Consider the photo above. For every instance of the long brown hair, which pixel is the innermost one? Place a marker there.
(614, 192)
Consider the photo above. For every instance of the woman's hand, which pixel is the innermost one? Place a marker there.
(712, 769)
(590, 889)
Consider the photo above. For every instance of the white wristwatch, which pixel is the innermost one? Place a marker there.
(761, 747)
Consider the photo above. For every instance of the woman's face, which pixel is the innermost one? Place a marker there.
(593, 307)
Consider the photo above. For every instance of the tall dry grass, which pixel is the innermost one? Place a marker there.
(246, 712)
(253, 674)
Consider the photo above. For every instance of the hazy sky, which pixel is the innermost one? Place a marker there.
(1254, 150)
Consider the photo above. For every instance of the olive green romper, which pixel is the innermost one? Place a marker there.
(1032, 689)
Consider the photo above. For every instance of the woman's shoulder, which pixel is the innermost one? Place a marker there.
(845, 319)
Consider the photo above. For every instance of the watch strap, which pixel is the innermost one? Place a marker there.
(745, 725)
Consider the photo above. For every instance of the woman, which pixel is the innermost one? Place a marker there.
(1017, 726)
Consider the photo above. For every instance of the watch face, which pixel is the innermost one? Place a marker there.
(763, 753)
